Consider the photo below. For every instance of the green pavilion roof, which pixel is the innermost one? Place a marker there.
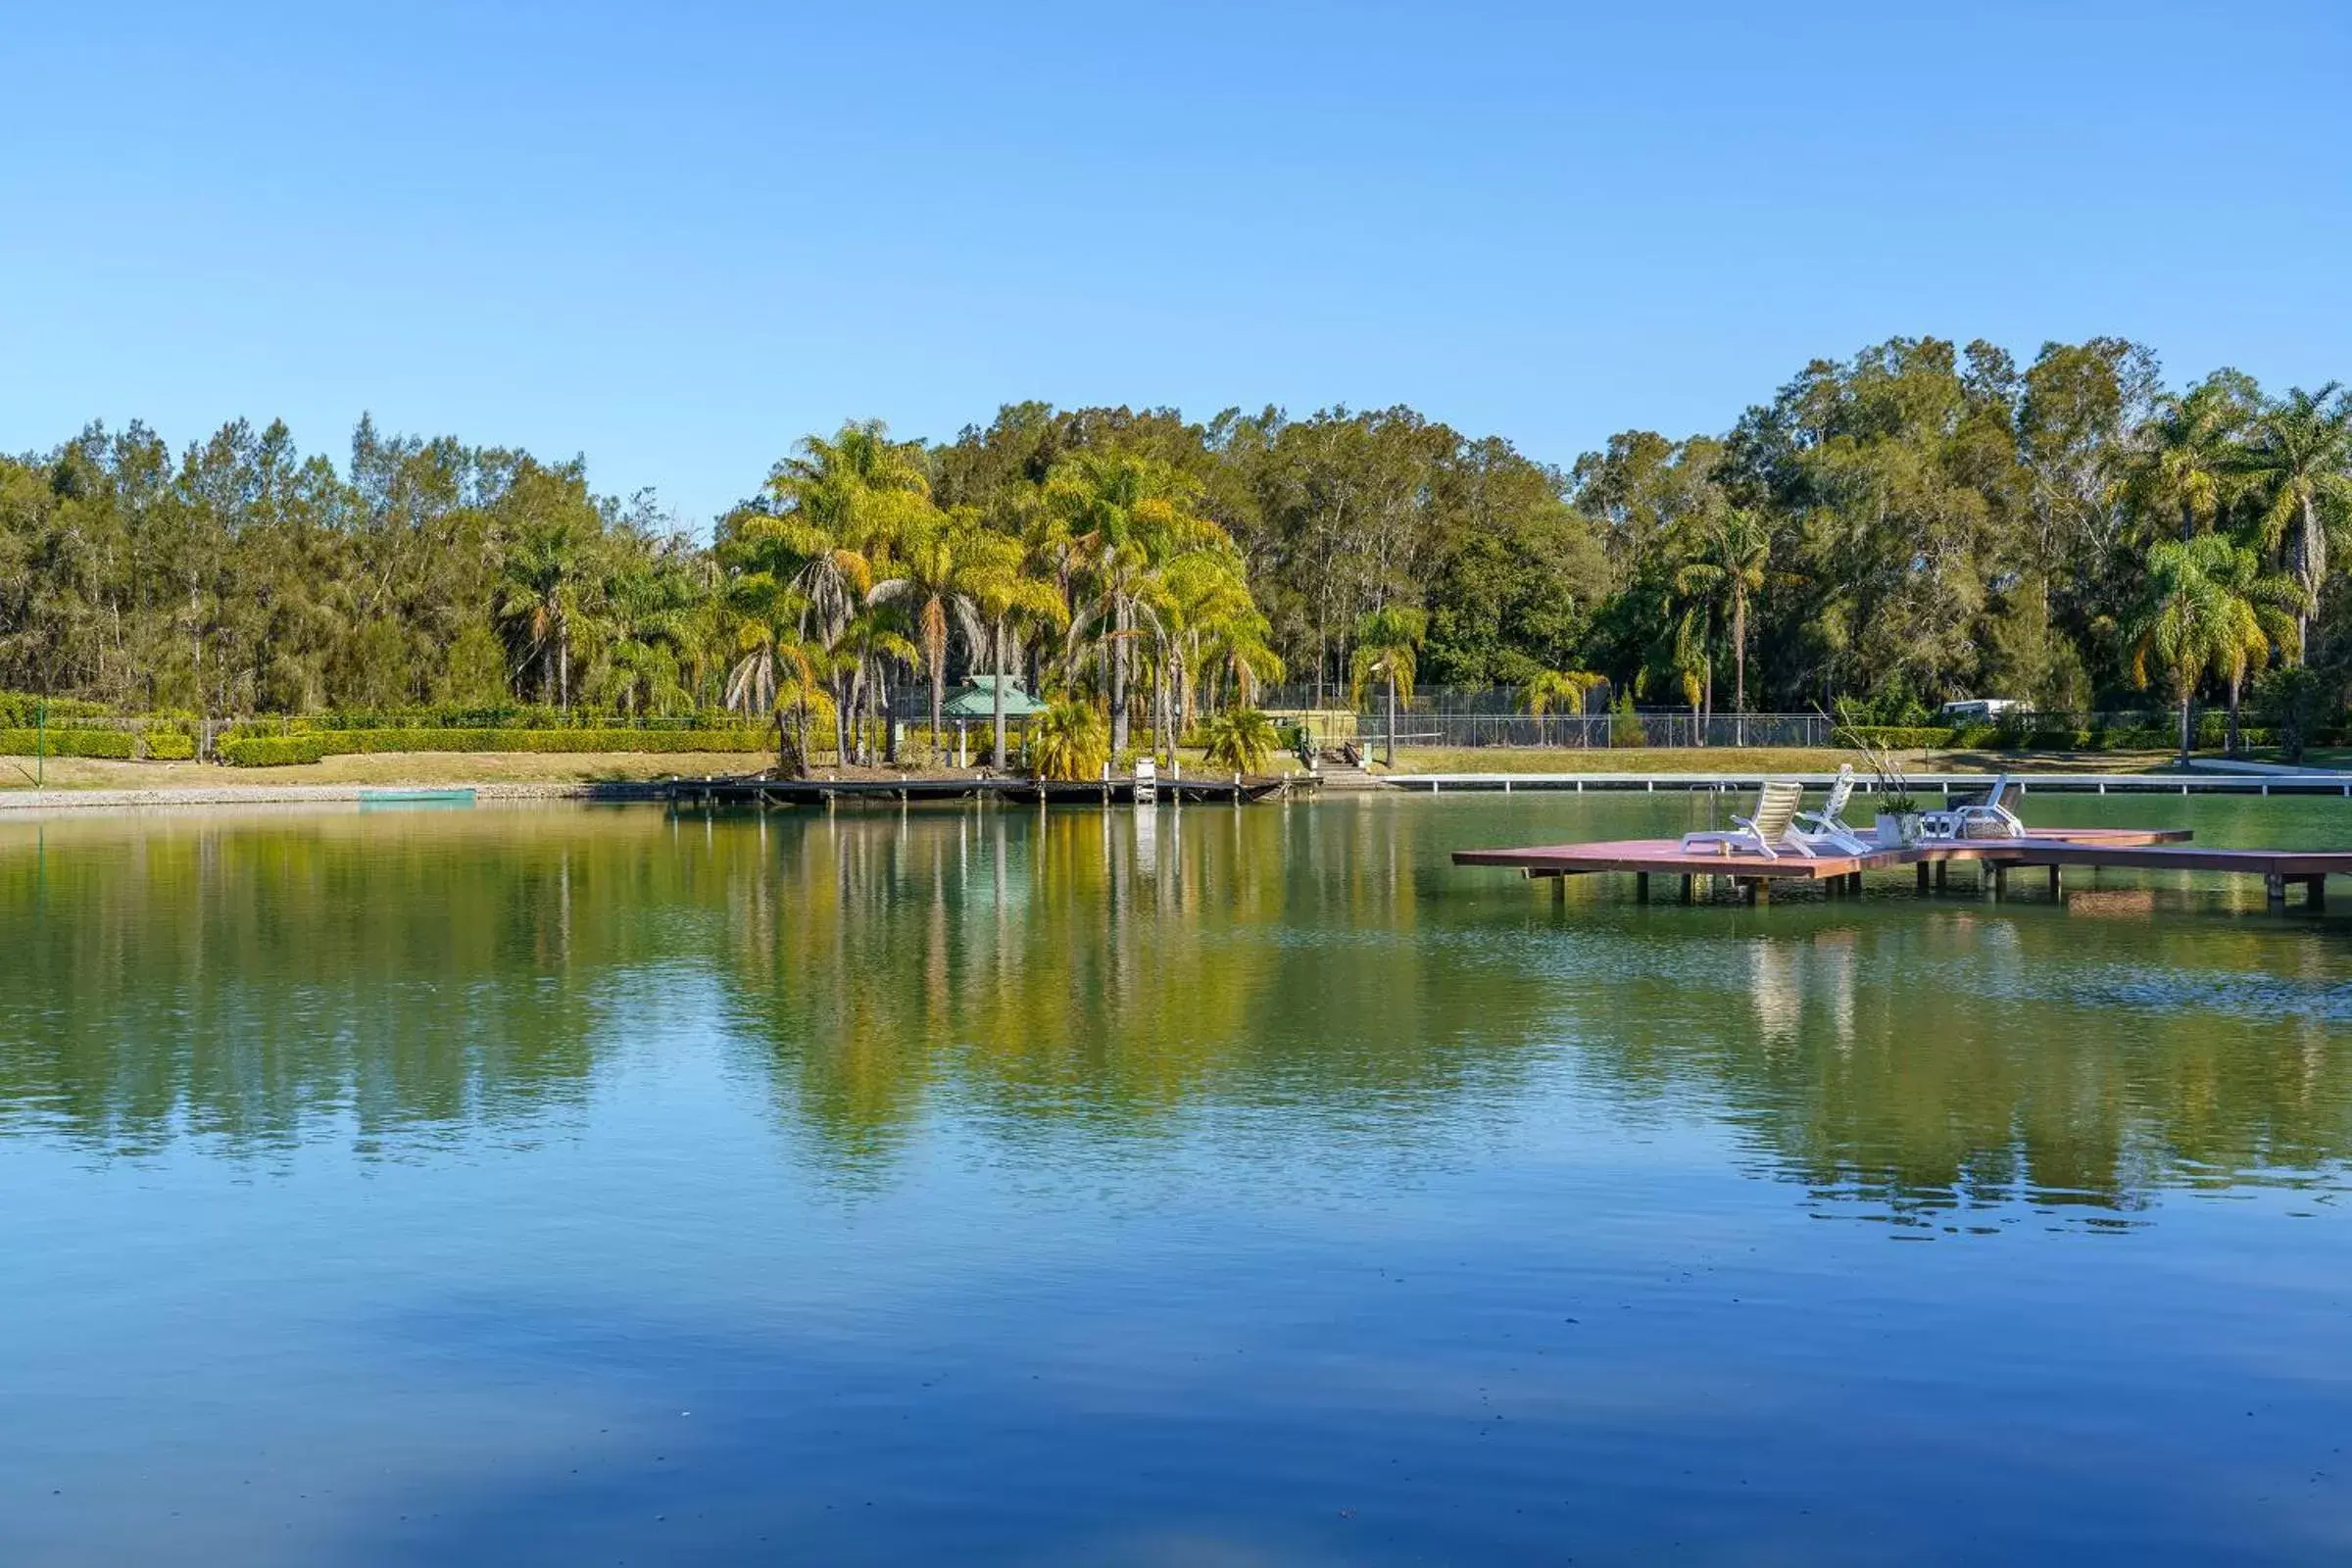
(978, 700)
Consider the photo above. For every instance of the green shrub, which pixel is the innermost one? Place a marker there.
(545, 741)
(23, 709)
(170, 746)
(273, 750)
(110, 743)
(1902, 737)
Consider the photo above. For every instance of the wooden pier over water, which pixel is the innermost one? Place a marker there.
(754, 791)
(2051, 849)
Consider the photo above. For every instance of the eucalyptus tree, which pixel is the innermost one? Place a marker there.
(544, 587)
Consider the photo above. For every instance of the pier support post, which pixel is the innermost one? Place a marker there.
(2315, 893)
(1690, 888)
(1943, 875)
(1754, 888)
(2056, 883)
(2274, 891)
(1641, 887)
(1998, 882)
(1559, 891)
(1922, 877)
(1853, 883)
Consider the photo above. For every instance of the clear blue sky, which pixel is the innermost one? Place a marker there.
(677, 237)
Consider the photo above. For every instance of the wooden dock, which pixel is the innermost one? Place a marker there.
(2051, 849)
(768, 791)
(2315, 782)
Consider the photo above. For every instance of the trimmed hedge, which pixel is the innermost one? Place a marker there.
(1903, 737)
(547, 741)
(114, 743)
(273, 750)
(23, 709)
(280, 751)
(168, 746)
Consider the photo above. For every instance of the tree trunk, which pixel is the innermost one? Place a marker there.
(2184, 730)
(1119, 677)
(563, 668)
(890, 730)
(939, 697)
(999, 694)
(2229, 746)
(2311, 565)
(1739, 673)
(1392, 723)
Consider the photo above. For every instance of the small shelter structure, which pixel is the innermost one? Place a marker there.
(975, 702)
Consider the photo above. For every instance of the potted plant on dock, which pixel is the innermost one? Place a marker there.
(1898, 816)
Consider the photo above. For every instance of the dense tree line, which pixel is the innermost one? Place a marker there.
(1920, 523)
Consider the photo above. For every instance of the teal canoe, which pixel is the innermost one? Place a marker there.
(416, 797)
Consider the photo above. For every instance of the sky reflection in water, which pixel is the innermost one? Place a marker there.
(1196, 1187)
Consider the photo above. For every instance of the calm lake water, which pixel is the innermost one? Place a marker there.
(570, 1185)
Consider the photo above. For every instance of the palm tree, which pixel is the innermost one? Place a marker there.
(2190, 454)
(1010, 603)
(1068, 741)
(1562, 690)
(2201, 614)
(1242, 740)
(935, 572)
(542, 586)
(1725, 572)
(2301, 456)
(1124, 517)
(778, 664)
(872, 640)
(2259, 614)
(1388, 645)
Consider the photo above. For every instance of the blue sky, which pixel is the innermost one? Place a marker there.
(675, 238)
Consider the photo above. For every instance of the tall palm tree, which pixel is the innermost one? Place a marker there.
(1124, 517)
(543, 585)
(935, 568)
(1388, 645)
(1558, 690)
(2260, 613)
(2197, 618)
(1725, 572)
(2189, 456)
(1010, 603)
(2300, 454)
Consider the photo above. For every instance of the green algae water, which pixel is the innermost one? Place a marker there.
(574, 1185)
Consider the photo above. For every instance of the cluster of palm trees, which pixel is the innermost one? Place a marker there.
(1101, 583)
(2233, 582)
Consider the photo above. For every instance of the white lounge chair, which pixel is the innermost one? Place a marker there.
(1766, 833)
(1986, 818)
(1827, 826)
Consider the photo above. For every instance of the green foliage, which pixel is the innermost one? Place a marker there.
(55, 742)
(1069, 740)
(1240, 741)
(24, 709)
(1921, 522)
(168, 746)
(271, 751)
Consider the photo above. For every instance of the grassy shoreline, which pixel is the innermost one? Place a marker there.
(561, 771)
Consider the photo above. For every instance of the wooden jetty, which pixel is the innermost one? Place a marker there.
(2051, 849)
(1945, 784)
(754, 790)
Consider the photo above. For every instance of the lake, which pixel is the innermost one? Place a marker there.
(1204, 1185)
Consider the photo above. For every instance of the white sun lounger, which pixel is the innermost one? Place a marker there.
(1766, 833)
(1986, 818)
(1827, 826)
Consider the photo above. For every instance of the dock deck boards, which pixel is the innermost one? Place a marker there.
(1669, 857)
